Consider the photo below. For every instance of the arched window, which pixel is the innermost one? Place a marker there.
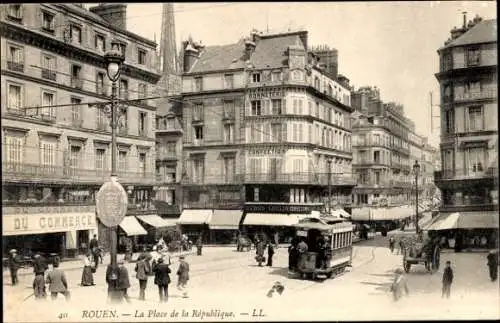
(330, 90)
(317, 83)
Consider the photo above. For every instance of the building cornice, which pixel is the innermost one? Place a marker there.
(465, 71)
(28, 37)
(222, 72)
(203, 94)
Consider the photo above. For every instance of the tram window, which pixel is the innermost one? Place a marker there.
(338, 240)
(343, 239)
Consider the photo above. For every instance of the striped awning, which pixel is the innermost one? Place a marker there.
(225, 220)
(195, 216)
(132, 227)
(270, 219)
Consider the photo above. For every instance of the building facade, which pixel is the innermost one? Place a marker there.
(468, 178)
(55, 139)
(263, 124)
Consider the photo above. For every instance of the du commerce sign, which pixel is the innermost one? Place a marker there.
(26, 221)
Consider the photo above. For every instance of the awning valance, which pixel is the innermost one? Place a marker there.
(155, 221)
(271, 219)
(466, 220)
(225, 220)
(132, 227)
(344, 213)
(360, 214)
(195, 216)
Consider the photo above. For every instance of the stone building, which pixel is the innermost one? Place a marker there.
(55, 142)
(468, 178)
(263, 124)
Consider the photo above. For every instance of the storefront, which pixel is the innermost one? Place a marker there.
(48, 229)
(224, 225)
(194, 222)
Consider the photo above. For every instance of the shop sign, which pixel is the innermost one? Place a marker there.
(47, 209)
(17, 224)
(272, 208)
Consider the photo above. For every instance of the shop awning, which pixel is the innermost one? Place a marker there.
(225, 220)
(478, 220)
(344, 213)
(195, 216)
(155, 220)
(445, 221)
(132, 227)
(271, 219)
(360, 214)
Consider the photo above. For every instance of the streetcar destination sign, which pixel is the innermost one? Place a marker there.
(111, 203)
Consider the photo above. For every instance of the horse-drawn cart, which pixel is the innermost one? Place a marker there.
(416, 251)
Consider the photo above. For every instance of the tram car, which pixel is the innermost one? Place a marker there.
(329, 248)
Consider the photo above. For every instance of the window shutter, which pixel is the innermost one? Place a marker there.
(283, 106)
(284, 132)
(268, 132)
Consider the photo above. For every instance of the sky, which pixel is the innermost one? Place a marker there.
(391, 45)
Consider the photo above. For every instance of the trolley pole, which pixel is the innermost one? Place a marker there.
(329, 185)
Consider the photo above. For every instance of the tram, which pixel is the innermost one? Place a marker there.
(328, 251)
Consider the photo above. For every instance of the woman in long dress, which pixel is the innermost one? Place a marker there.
(87, 275)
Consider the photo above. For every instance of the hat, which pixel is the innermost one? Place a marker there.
(120, 262)
(181, 257)
(398, 271)
(13, 250)
(160, 260)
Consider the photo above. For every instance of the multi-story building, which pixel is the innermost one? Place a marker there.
(55, 141)
(468, 178)
(386, 147)
(263, 122)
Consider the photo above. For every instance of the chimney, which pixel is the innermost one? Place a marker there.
(190, 56)
(465, 20)
(114, 13)
(249, 48)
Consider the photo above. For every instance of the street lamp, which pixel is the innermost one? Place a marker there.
(114, 59)
(416, 170)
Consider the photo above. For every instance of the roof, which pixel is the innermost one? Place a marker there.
(272, 52)
(483, 32)
(223, 57)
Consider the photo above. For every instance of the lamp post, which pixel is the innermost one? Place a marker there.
(329, 161)
(114, 59)
(416, 170)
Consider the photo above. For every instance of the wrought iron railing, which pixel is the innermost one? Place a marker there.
(306, 178)
(28, 172)
(15, 66)
(466, 173)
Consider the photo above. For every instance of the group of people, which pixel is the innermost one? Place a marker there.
(299, 246)
(260, 247)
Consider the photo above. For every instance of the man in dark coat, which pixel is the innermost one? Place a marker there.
(142, 270)
(123, 282)
(39, 268)
(14, 264)
(162, 279)
(183, 276)
(94, 248)
(199, 246)
(447, 280)
(270, 253)
(493, 264)
(259, 248)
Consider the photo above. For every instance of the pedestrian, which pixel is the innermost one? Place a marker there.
(162, 279)
(401, 246)
(14, 264)
(39, 268)
(292, 255)
(123, 282)
(128, 249)
(56, 279)
(302, 246)
(447, 280)
(391, 244)
(259, 248)
(493, 264)
(142, 270)
(399, 285)
(199, 246)
(270, 253)
(94, 248)
(277, 239)
(87, 274)
(183, 276)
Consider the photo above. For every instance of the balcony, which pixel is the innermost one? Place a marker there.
(487, 206)
(16, 112)
(476, 95)
(213, 180)
(49, 74)
(76, 83)
(77, 123)
(143, 133)
(48, 117)
(15, 66)
(306, 178)
(123, 131)
(461, 178)
(27, 172)
(215, 204)
(169, 126)
(161, 155)
(166, 179)
(103, 126)
(101, 90)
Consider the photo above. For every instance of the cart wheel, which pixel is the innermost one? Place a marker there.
(407, 266)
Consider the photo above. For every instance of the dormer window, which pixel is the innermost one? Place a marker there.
(15, 11)
(100, 43)
(76, 34)
(48, 22)
(141, 57)
(255, 77)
